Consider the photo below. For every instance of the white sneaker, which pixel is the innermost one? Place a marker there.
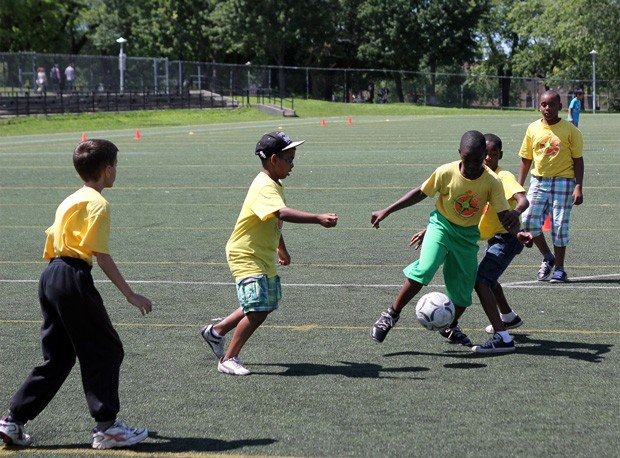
(13, 434)
(217, 344)
(118, 435)
(232, 366)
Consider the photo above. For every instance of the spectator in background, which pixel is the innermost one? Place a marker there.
(55, 77)
(41, 80)
(69, 78)
(575, 107)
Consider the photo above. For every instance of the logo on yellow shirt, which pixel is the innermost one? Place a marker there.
(467, 205)
(549, 146)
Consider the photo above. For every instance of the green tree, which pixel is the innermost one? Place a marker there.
(46, 26)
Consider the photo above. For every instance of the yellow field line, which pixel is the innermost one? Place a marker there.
(321, 327)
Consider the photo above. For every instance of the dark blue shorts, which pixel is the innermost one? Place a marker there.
(500, 252)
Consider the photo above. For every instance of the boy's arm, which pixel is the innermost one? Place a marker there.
(522, 202)
(578, 192)
(411, 198)
(291, 215)
(284, 259)
(108, 266)
(524, 168)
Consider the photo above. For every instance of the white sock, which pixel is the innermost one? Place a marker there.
(505, 336)
(215, 333)
(508, 317)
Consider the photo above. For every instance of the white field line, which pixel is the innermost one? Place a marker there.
(522, 284)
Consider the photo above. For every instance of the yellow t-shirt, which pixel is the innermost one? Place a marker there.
(461, 201)
(552, 148)
(81, 227)
(489, 224)
(251, 248)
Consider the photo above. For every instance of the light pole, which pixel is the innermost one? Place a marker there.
(593, 53)
(121, 63)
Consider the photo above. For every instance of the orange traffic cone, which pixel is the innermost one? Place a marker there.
(349, 120)
(323, 122)
(137, 137)
(83, 136)
(547, 224)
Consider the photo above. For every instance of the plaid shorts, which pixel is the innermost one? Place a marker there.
(259, 293)
(549, 195)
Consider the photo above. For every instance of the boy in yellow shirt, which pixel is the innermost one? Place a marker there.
(501, 250)
(555, 147)
(452, 234)
(251, 249)
(75, 321)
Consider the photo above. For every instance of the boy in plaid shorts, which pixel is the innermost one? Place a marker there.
(555, 147)
(252, 247)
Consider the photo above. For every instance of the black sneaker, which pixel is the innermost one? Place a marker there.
(511, 325)
(546, 267)
(455, 335)
(383, 325)
(495, 345)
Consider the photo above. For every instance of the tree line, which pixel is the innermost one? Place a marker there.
(529, 38)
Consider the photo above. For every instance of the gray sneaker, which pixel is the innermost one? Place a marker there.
(118, 435)
(495, 345)
(217, 344)
(546, 267)
(13, 434)
(233, 366)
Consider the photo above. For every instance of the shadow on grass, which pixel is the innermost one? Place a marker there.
(172, 444)
(592, 353)
(452, 354)
(347, 369)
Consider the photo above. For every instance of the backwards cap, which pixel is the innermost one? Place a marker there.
(274, 143)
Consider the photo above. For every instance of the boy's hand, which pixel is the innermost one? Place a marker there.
(144, 304)
(328, 219)
(284, 259)
(526, 238)
(577, 195)
(417, 238)
(377, 217)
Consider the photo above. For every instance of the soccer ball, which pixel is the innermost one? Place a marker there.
(435, 311)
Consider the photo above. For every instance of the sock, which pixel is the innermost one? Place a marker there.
(103, 425)
(505, 336)
(560, 268)
(392, 312)
(214, 333)
(549, 257)
(508, 317)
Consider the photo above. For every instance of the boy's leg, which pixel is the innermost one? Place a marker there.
(487, 300)
(419, 273)
(389, 318)
(44, 381)
(245, 328)
(562, 205)
(539, 195)
(99, 350)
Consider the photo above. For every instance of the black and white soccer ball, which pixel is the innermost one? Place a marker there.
(435, 311)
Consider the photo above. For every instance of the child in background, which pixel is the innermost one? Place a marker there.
(252, 247)
(555, 147)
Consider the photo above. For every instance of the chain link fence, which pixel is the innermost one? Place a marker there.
(98, 77)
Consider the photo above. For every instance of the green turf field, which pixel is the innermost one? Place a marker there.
(321, 387)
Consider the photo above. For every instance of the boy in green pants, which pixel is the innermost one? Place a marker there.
(452, 234)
